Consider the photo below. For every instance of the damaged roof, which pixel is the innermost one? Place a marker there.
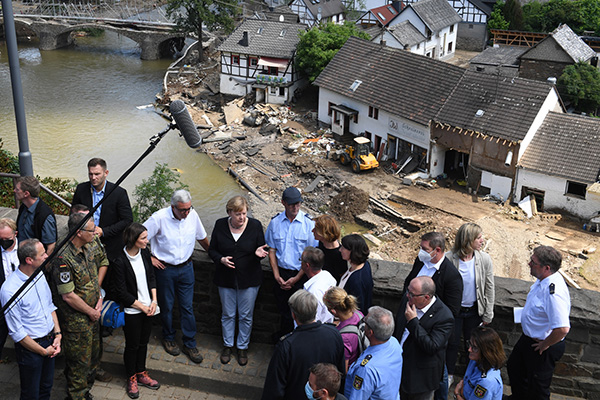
(436, 14)
(501, 56)
(563, 38)
(494, 105)
(265, 38)
(389, 79)
(566, 145)
(406, 34)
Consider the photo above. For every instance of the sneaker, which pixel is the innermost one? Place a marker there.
(103, 376)
(132, 387)
(144, 380)
(193, 354)
(226, 355)
(242, 357)
(171, 347)
(450, 380)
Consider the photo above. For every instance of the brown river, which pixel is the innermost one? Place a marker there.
(81, 102)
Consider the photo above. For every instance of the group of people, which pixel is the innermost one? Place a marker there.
(331, 339)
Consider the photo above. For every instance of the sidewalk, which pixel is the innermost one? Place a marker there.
(179, 377)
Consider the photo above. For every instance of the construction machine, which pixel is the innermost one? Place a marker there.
(359, 155)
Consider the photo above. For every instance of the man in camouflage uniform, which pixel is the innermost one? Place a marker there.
(75, 278)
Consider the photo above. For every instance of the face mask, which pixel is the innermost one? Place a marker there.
(309, 392)
(424, 256)
(6, 243)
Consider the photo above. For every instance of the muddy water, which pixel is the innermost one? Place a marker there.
(81, 103)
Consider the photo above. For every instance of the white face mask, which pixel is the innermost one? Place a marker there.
(424, 256)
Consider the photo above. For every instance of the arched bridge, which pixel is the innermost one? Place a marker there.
(154, 40)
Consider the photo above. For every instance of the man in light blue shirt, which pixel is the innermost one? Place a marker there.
(287, 235)
(376, 374)
(32, 322)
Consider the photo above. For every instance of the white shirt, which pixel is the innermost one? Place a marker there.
(173, 240)
(346, 276)
(545, 311)
(10, 261)
(143, 294)
(428, 268)
(420, 313)
(467, 271)
(318, 285)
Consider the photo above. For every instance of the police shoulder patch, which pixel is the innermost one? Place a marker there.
(64, 274)
(479, 391)
(358, 381)
(366, 360)
(552, 288)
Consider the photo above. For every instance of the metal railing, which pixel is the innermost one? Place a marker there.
(42, 186)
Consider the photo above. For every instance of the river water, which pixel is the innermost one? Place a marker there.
(81, 103)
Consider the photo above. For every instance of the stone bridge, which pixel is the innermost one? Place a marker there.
(155, 41)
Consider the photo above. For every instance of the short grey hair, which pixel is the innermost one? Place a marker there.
(314, 257)
(304, 305)
(181, 196)
(381, 322)
(27, 248)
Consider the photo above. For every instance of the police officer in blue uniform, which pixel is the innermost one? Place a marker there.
(545, 322)
(377, 372)
(287, 235)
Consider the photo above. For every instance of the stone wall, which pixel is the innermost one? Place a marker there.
(577, 373)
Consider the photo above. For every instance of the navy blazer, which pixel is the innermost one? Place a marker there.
(448, 283)
(115, 216)
(123, 283)
(424, 351)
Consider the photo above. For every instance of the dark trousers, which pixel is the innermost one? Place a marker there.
(3, 334)
(137, 331)
(416, 396)
(530, 372)
(464, 323)
(35, 371)
(282, 297)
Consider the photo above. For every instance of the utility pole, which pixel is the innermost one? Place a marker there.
(25, 162)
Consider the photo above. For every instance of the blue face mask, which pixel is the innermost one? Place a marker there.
(309, 392)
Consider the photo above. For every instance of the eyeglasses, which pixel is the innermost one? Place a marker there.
(411, 294)
(184, 210)
(473, 348)
(89, 230)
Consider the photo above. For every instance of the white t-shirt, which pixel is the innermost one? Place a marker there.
(143, 294)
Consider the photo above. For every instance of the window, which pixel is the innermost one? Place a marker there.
(336, 118)
(418, 46)
(329, 108)
(451, 28)
(272, 90)
(235, 59)
(273, 71)
(253, 61)
(282, 91)
(576, 189)
(428, 32)
(356, 118)
(450, 47)
(373, 112)
(471, 26)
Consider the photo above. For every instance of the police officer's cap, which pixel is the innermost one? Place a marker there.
(291, 195)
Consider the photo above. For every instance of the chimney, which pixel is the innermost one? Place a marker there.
(245, 41)
(398, 5)
(552, 80)
(382, 43)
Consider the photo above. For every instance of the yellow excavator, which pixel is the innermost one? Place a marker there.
(359, 155)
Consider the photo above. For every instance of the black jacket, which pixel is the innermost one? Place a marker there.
(115, 216)
(448, 283)
(123, 283)
(424, 351)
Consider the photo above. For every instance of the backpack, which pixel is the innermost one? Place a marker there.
(359, 330)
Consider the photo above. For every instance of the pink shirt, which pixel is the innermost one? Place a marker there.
(351, 349)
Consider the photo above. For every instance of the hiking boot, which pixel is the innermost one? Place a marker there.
(103, 376)
(242, 357)
(144, 380)
(226, 355)
(193, 354)
(132, 387)
(171, 347)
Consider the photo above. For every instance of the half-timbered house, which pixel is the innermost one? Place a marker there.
(259, 57)
(312, 12)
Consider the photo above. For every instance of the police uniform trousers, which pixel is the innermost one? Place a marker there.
(82, 356)
(530, 372)
(282, 297)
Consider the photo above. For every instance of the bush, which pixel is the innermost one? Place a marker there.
(155, 192)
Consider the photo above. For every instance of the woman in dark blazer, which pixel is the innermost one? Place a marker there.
(358, 280)
(237, 244)
(134, 287)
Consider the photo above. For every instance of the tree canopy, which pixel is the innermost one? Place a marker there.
(580, 15)
(318, 45)
(497, 20)
(191, 15)
(580, 84)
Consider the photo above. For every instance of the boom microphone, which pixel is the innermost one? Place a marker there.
(185, 124)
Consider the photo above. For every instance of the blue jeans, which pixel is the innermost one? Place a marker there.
(171, 282)
(35, 371)
(241, 300)
(442, 392)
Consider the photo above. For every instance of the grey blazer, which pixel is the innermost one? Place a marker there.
(484, 281)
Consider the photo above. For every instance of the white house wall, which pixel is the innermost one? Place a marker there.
(391, 41)
(386, 124)
(551, 103)
(554, 196)
(499, 185)
(438, 44)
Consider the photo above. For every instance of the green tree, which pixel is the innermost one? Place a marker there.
(155, 192)
(513, 13)
(580, 84)
(533, 14)
(318, 45)
(497, 20)
(191, 15)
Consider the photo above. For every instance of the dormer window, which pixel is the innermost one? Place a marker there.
(259, 30)
(355, 85)
(282, 34)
